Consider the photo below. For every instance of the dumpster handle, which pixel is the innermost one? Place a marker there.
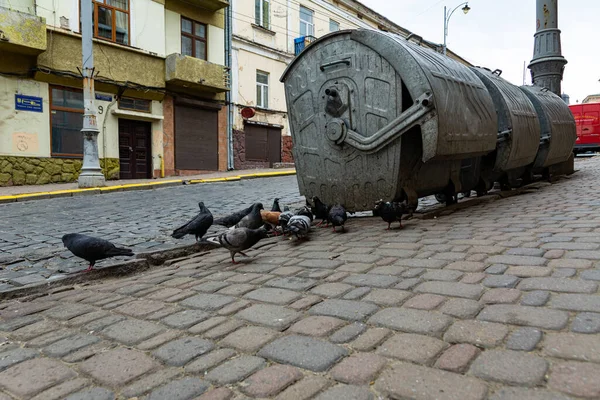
(336, 62)
(497, 72)
(394, 129)
(414, 35)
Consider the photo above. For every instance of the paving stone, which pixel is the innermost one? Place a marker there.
(60, 391)
(238, 289)
(271, 380)
(558, 285)
(515, 393)
(292, 283)
(407, 284)
(305, 302)
(442, 275)
(576, 378)
(386, 270)
(51, 337)
(21, 310)
(181, 351)
(570, 263)
(149, 382)
(474, 277)
(207, 302)
(101, 323)
(249, 339)
(370, 339)
(572, 346)
(387, 297)
(457, 357)
(496, 269)
(461, 308)
(535, 298)
(69, 345)
(15, 356)
(454, 289)
(481, 334)
(410, 347)
(207, 325)
(273, 295)
(500, 281)
(117, 367)
(89, 317)
(348, 333)
(95, 393)
(316, 325)
(19, 322)
(235, 370)
(373, 280)
(511, 367)
(276, 317)
(412, 321)
(467, 266)
(204, 363)
(210, 286)
(348, 392)
(425, 301)
(356, 293)
(358, 369)
(140, 308)
(182, 389)
(234, 307)
(335, 289)
(527, 272)
(159, 340)
(305, 389)
(500, 295)
(223, 329)
(586, 323)
(131, 331)
(344, 309)
(413, 272)
(524, 339)
(564, 273)
(184, 319)
(303, 352)
(521, 315)
(403, 380)
(576, 302)
(217, 394)
(516, 260)
(32, 376)
(67, 311)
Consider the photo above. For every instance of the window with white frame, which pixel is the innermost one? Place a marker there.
(261, 13)
(262, 89)
(334, 26)
(307, 26)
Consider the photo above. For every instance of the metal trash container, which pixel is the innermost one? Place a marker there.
(374, 116)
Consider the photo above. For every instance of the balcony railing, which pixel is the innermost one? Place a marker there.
(302, 42)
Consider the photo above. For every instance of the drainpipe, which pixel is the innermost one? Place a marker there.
(228, 40)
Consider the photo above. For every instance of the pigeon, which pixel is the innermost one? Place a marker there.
(390, 211)
(320, 210)
(284, 218)
(234, 218)
(92, 249)
(299, 225)
(253, 220)
(197, 226)
(337, 216)
(305, 211)
(239, 239)
(275, 206)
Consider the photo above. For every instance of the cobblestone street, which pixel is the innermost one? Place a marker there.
(497, 301)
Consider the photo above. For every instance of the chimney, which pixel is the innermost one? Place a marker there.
(547, 64)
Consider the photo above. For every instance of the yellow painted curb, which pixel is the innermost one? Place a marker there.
(37, 194)
(11, 197)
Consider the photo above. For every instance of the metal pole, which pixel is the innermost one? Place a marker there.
(445, 29)
(91, 173)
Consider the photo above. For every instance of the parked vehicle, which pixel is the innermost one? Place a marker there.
(587, 120)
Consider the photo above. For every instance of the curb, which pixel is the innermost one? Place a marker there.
(135, 186)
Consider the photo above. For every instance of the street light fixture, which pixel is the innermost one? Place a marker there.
(447, 16)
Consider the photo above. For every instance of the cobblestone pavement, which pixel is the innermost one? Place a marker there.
(498, 301)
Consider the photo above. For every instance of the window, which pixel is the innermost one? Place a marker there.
(334, 26)
(307, 27)
(193, 38)
(66, 121)
(262, 15)
(262, 89)
(111, 20)
(127, 103)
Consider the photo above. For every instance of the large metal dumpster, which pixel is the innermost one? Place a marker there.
(374, 116)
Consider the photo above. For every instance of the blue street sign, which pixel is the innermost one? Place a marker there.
(29, 103)
(103, 97)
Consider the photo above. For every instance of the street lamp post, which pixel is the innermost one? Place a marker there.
(447, 16)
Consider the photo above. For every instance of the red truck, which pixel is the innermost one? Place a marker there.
(587, 118)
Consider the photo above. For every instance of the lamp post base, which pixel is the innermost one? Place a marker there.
(91, 179)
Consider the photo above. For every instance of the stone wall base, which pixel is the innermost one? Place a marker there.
(18, 171)
(239, 152)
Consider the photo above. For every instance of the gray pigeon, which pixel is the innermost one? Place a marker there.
(230, 220)
(337, 216)
(253, 220)
(197, 226)
(92, 249)
(239, 239)
(299, 225)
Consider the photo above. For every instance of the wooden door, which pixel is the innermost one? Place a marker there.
(135, 155)
(263, 143)
(274, 145)
(196, 138)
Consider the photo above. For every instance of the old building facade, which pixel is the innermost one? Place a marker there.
(267, 35)
(160, 88)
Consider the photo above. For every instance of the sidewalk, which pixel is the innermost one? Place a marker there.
(496, 301)
(31, 192)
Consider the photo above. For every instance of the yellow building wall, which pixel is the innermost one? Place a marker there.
(244, 20)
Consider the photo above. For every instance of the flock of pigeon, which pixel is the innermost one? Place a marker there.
(246, 227)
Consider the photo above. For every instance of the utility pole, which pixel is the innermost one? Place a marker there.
(91, 173)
